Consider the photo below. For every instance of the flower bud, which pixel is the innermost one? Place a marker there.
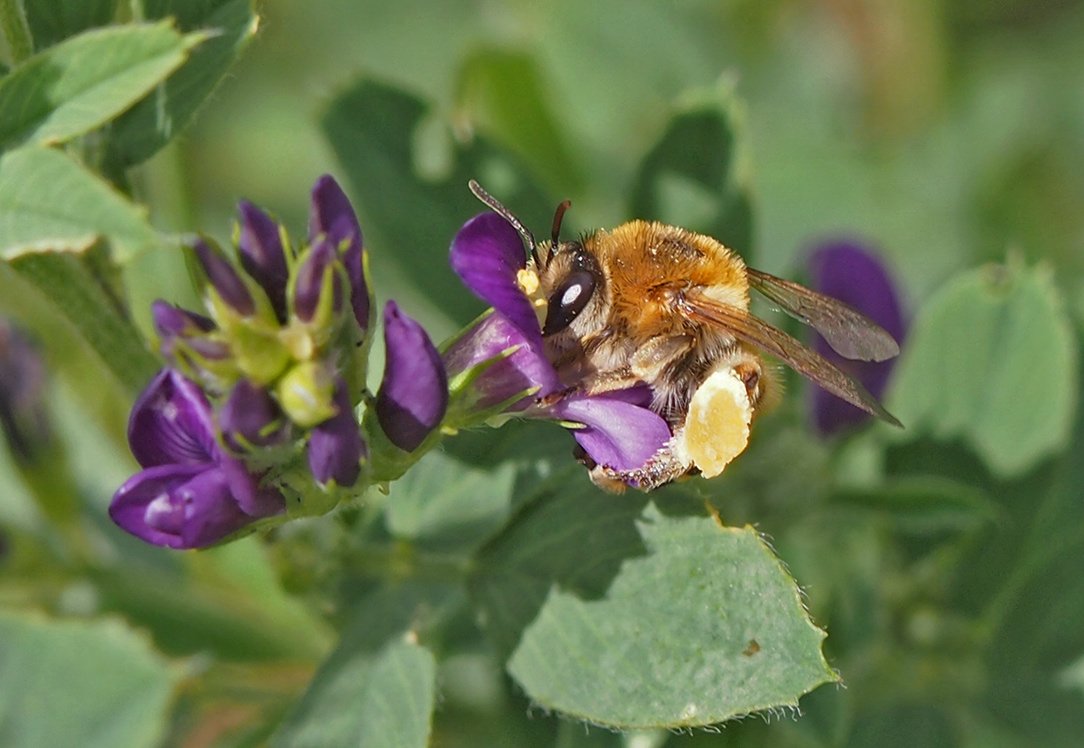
(250, 417)
(335, 446)
(263, 256)
(317, 287)
(224, 279)
(305, 392)
(333, 217)
(413, 395)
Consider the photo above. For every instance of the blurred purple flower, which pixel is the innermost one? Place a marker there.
(191, 494)
(335, 446)
(413, 395)
(848, 271)
(333, 218)
(23, 417)
(615, 429)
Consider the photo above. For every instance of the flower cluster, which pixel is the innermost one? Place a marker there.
(256, 414)
(263, 412)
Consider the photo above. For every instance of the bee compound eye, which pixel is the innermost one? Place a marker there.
(568, 300)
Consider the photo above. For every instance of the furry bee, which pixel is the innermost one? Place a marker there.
(648, 303)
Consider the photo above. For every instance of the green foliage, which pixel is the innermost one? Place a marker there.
(80, 683)
(999, 345)
(492, 596)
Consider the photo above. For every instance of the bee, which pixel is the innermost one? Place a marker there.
(648, 303)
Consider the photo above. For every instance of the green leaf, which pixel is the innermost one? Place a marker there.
(708, 627)
(695, 176)
(378, 687)
(69, 284)
(48, 203)
(441, 500)
(52, 22)
(639, 619)
(79, 683)
(409, 220)
(991, 359)
(504, 93)
(82, 83)
(924, 504)
(151, 123)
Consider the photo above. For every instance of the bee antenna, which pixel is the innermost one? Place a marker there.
(495, 205)
(558, 217)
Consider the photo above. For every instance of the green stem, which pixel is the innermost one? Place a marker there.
(402, 560)
(16, 30)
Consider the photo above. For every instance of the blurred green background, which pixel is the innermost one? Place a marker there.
(945, 133)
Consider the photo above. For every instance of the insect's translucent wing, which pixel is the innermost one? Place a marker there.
(850, 333)
(790, 351)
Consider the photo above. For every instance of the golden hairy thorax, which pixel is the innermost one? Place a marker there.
(646, 262)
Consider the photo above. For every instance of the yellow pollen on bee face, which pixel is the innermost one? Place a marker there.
(717, 425)
(527, 279)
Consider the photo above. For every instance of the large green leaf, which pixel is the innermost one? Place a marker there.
(51, 22)
(140, 132)
(79, 683)
(49, 203)
(695, 176)
(378, 687)
(83, 82)
(410, 220)
(707, 627)
(991, 359)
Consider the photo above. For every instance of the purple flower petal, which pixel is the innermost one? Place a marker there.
(171, 423)
(179, 506)
(224, 279)
(849, 272)
(414, 393)
(619, 433)
(335, 446)
(251, 417)
(525, 369)
(263, 256)
(487, 254)
(332, 216)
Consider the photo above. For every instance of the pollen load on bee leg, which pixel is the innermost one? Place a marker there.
(717, 425)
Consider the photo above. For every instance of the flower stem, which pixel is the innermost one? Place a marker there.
(16, 30)
(403, 560)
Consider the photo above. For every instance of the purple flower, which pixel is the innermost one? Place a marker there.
(853, 274)
(335, 446)
(314, 280)
(413, 395)
(615, 429)
(263, 257)
(191, 494)
(333, 218)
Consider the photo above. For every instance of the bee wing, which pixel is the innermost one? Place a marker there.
(850, 333)
(760, 334)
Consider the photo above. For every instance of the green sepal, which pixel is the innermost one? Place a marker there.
(387, 461)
